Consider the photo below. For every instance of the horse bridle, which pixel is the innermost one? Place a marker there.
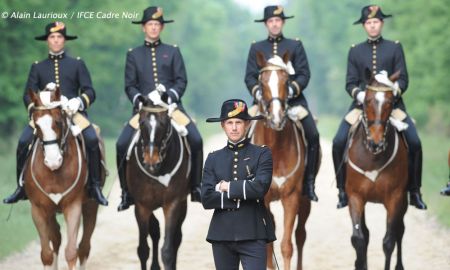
(165, 142)
(266, 105)
(63, 125)
(367, 123)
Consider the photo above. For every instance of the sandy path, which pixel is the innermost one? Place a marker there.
(327, 246)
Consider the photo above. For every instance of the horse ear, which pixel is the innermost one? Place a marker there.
(260, 59)
(394, 77)
(370, 78)
(57, 94)
(286, 57)
(33, 96)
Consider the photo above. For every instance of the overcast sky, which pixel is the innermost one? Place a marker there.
(257, 6)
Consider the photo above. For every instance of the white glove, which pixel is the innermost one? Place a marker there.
(291, 92)
(155, 97)
(360, 97)
(161, 88)
(51, 86)
(258, 95)
(73, 105)
(396, 89)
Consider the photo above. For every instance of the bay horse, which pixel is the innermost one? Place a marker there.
(157, 176)
(55, 177)
(289, 158)
(377, 171)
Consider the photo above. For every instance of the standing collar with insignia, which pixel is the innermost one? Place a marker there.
(152, 45)
(237, 146)
(374, 40)
(53, 56)
(276, 39)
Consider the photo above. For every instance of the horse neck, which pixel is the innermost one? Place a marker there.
(274, 139)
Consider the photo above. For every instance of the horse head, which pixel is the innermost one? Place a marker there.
(156, 130)
(273, 82)
(377, 108)
(51, 126)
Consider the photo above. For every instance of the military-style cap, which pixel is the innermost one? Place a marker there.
(234, 108)
(152, 13)
(55, 27)
(273, 11)
(370, 12)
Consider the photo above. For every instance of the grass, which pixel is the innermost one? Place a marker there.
(19, 230)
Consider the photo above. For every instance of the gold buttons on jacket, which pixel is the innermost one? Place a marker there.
(374, 57)
(275, 48)
(56, 71)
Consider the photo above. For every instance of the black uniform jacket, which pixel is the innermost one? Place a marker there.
(239, 214)
(375, 56)
(152, 64)
(278, 46)
(70, 74)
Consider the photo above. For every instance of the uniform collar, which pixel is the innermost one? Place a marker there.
(238, 146)
(374, 40)
(277, 39)
(54, 56)
(152, 44)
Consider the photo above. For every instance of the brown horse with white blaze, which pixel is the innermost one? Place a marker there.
(157, 176)
(377, 171)
(55, 176)
(289, 153)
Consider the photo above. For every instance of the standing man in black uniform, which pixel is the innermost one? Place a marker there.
(73, 78)
(377, 54)
(277, 44)
(156, 66)
(235, 180)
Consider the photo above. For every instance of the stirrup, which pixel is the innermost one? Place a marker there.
(96, 193)
(126, 201)
(196, 194)
(415, 199)
(343, 200)
(19, 194)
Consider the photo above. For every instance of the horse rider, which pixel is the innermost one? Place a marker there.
(235, 180)
(277, 44)
(156, 66)
(377, 54)
(72, 77)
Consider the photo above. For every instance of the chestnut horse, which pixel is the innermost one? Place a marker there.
(157, 176)
(289, 153)
(377, 171)
(55, 176)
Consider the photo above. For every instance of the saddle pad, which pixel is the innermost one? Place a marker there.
(399, 114)
(353, 116)
(81, 121)
(180, 117)
(134, 121)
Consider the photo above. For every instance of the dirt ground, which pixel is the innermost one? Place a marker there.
(328, 246)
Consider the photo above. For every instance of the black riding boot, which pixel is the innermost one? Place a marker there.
(196, 175)
(339, 169)
(415, 180)
(127, 200)
(311, 172)
(446, 191)
(19, 193)
(94, 185)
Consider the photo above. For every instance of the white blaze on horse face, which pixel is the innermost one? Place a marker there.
(276, 104)
(152, 123)
(379, 97)
(53, 158)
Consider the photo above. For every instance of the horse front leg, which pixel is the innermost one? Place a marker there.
(89, 212)
(42, 220)
(300, 232)
(174, 214)
(290, 206)
(143, 214)
(72, 216)
(396, 209)
(155, 235)
(359, 241)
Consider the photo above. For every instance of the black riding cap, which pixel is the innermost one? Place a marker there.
(234, 108)
(370, 12)
(152, 13)
(55, 27)
(273, 11)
